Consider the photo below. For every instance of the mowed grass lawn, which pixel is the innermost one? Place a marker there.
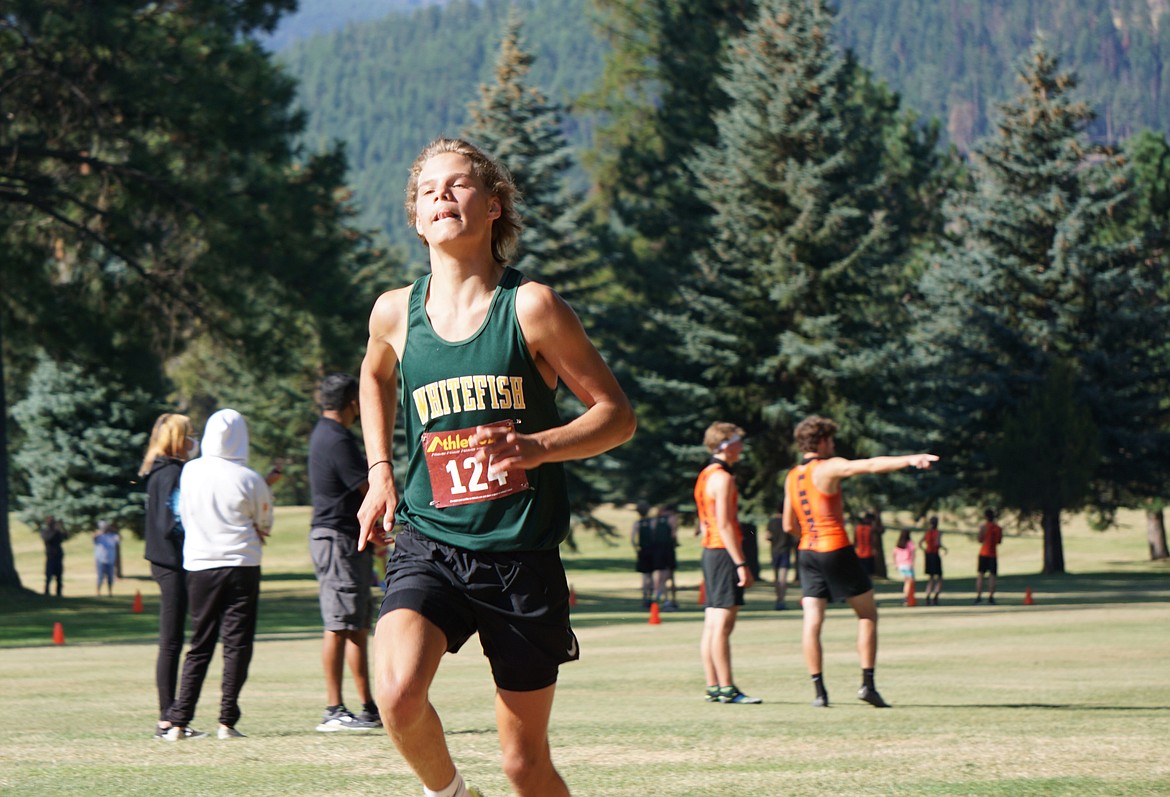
(1069, 696)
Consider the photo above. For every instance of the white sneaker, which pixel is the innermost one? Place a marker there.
(228, 732)
(179, 733)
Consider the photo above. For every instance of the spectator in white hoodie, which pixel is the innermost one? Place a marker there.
(226, 510)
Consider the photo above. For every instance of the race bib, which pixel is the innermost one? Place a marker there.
(457, 477)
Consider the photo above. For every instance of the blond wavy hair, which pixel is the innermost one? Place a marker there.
(168, 438)
(506, 229)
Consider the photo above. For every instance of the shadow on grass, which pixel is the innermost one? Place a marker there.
(289, 608)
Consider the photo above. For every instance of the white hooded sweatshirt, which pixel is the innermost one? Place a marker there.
(224, 504)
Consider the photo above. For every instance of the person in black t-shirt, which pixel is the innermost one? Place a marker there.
(338, 482)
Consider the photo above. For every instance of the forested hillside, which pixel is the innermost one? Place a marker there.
(386, 86)
(953, 58)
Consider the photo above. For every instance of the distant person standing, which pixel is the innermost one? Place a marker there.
(990, 536)
(105, 555)
(666, 539)
(932, 549)
(226, 509)
(829, 568)
(338, 483)
(171, 444)
(904, 561)
(783, 545)
(642, 538)
(725, 572)
(863, 542)
(53, 536)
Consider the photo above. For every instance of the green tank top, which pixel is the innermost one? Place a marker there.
(447, 389)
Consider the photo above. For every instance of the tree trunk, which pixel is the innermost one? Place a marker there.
(1156, 534)
(1053, 543)
(9, 578)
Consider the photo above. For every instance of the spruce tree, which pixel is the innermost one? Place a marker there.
(83, 443)
(656, 102)
(518, 125)
(793, 296)
(1040, 349)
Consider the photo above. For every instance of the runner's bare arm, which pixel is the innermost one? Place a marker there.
(721, 486)
(562, 351)
(379, 402)
(828, 475)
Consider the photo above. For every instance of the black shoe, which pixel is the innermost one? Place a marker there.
(991, 601)
(871, 696)
(821, 701)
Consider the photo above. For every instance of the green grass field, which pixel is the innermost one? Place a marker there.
(1069, 696)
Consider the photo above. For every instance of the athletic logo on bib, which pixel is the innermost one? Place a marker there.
(457, 477)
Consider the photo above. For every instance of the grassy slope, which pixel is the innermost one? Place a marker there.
(1065, 697)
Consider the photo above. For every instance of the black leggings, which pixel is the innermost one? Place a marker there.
(172, 626)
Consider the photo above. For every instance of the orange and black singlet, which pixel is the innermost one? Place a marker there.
(708, 523)
(932, 540)
(821, 516)
(863, 540)
(992, 536)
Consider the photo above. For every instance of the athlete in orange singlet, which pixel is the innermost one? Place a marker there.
(933, 548)
(990, 536)
(725, 571)
(829, 567)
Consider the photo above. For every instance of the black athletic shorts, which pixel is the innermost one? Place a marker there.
(517, 601)
(866, 564)
(835, 576)
(988, 564)
(933, 564)
(720, 579)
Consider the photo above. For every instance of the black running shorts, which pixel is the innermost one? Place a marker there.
(988, 564)
(721, 579)
(517, 601)
(835, 576)
(933, 564)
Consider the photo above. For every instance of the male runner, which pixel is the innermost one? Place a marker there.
(990, 536)
(481, 351)
(725, 571)
(829, 567)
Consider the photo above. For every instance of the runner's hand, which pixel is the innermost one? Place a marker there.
(378, 505)
(502, 448)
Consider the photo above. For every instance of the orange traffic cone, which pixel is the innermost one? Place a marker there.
(137, 607)
(572, 597)
(655, 619)
(702, 593)
(1028, 596)
(58, 634)
(910, 599)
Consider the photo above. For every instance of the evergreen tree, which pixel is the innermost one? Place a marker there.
(83, 445)
(790, 305)
(150, 193)
(519, 126)
(657, 97)
(1040, 340)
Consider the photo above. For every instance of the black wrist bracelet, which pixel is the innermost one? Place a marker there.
(379, 462)
(741, 564)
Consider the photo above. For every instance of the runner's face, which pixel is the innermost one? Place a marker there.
(452, 203)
